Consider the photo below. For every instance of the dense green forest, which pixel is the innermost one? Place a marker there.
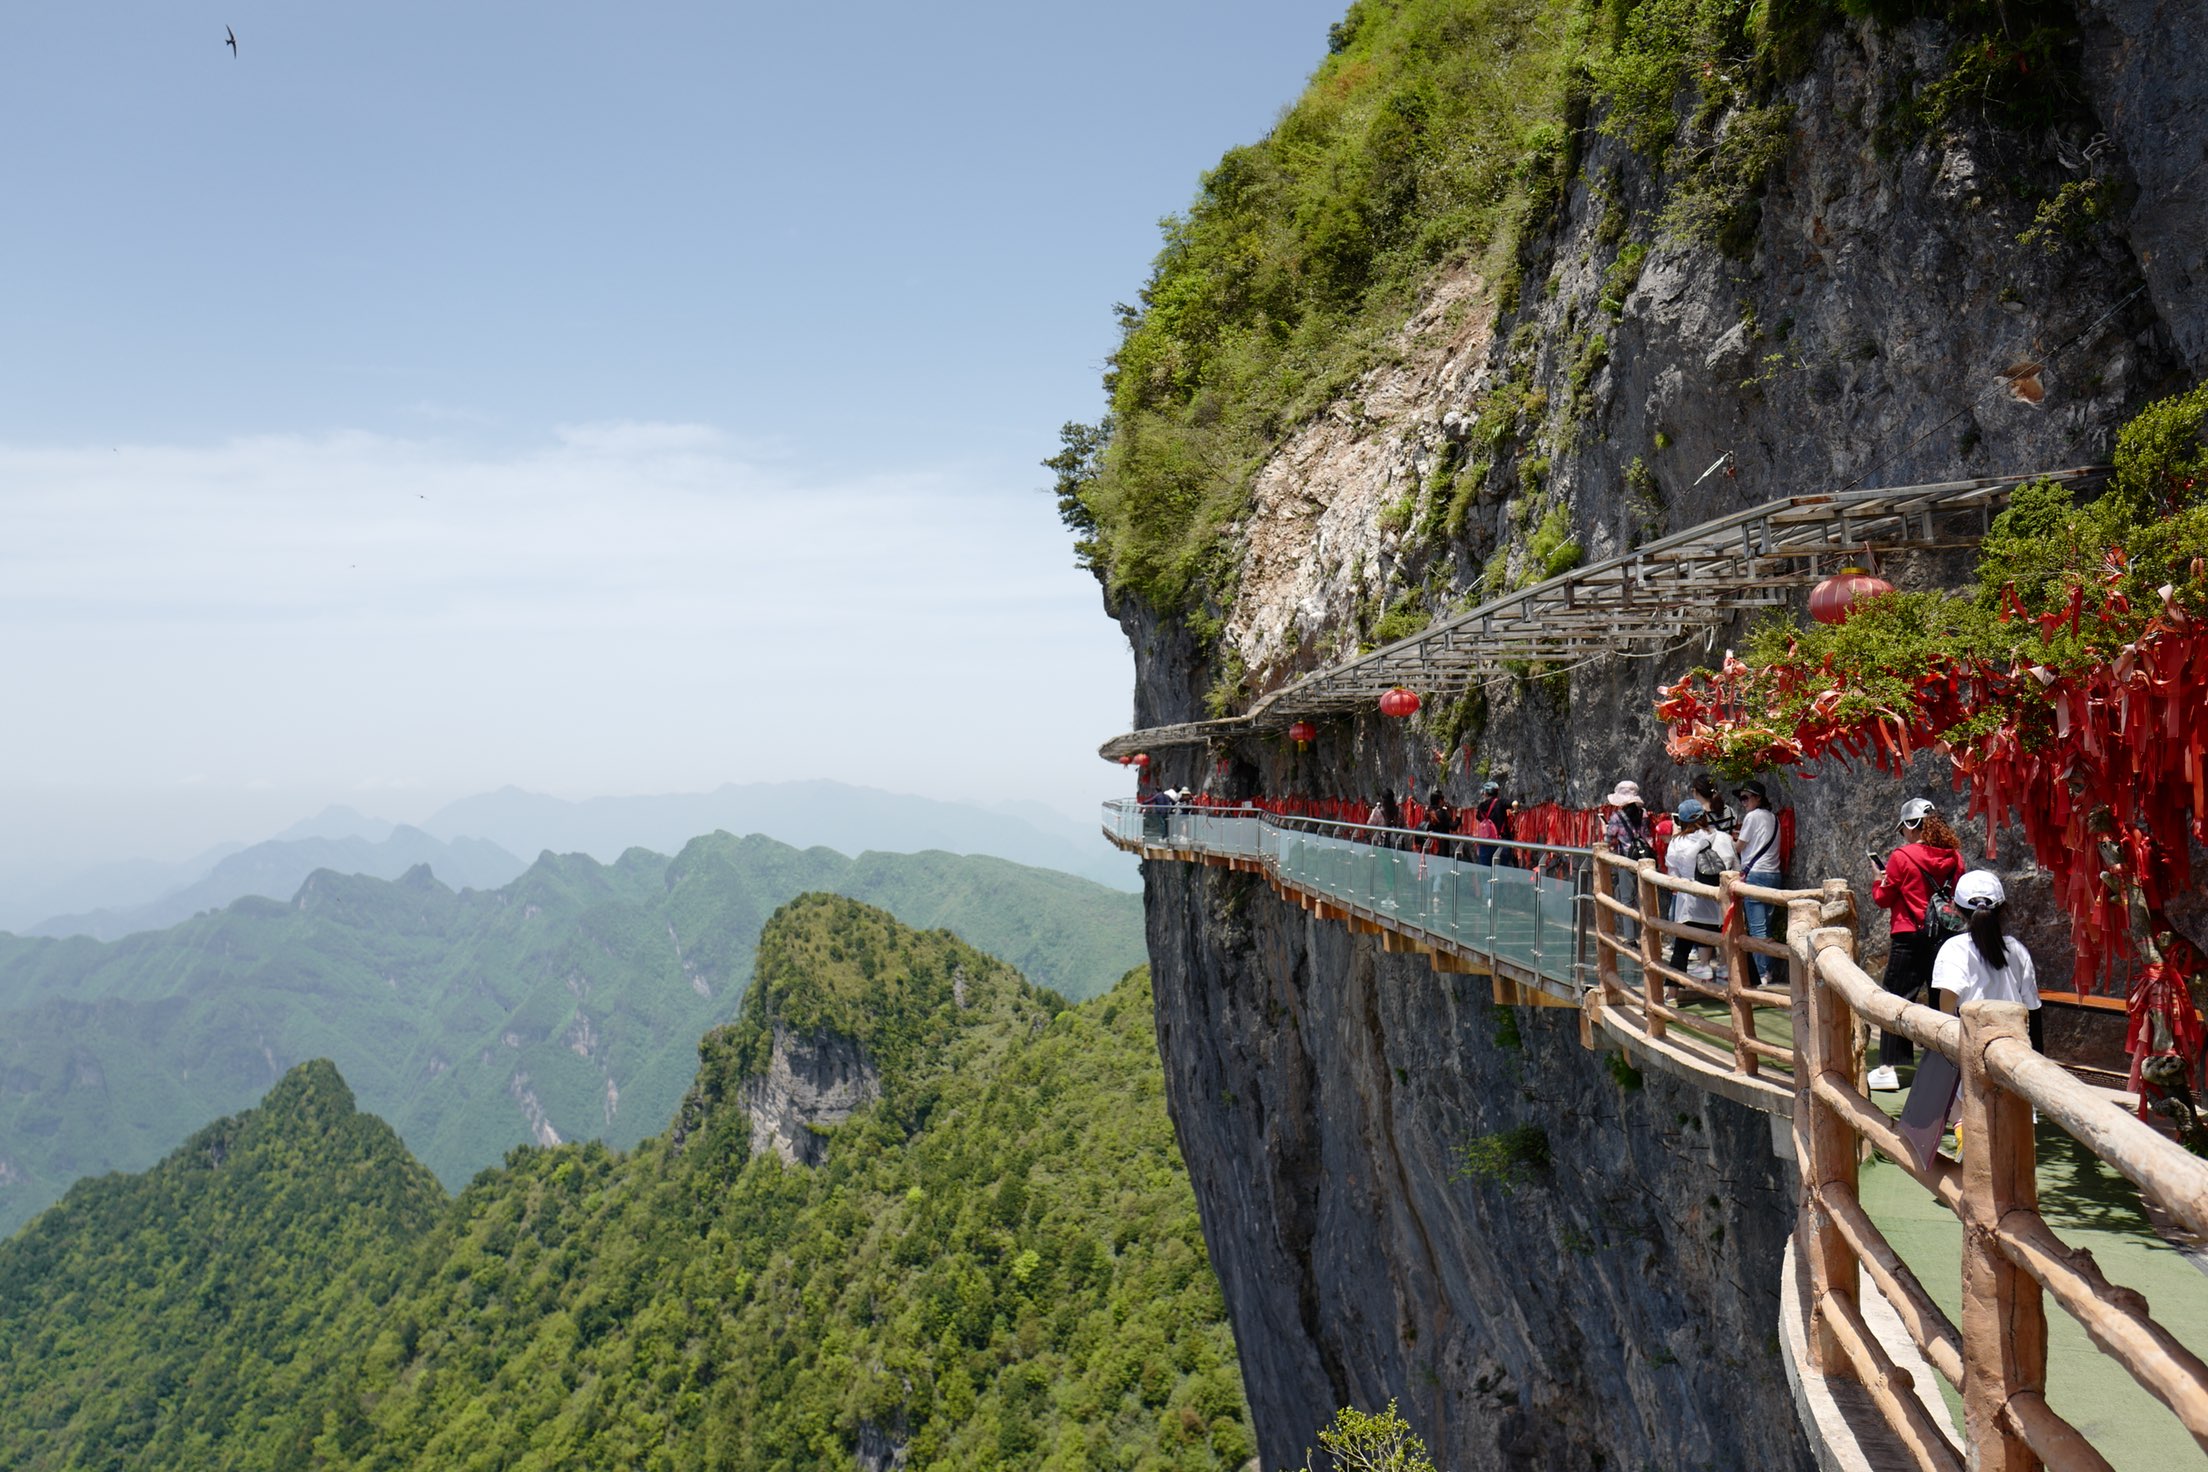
(997, 1265)
(171, 1319)
(567, 1004)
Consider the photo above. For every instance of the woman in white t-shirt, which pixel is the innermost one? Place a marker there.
(1986, 964)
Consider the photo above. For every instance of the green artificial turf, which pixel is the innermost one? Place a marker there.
(2088, 1205)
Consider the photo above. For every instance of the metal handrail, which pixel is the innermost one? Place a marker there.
(1521, 935)
(1288, 820)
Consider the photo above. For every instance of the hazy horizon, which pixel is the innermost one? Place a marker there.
(243, 818)
(423, 401)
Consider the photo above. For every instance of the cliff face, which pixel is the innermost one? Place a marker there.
(809, 1081)
(1883, 326)
(1614, 1306)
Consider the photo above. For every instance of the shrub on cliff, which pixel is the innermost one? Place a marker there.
(1423, 135)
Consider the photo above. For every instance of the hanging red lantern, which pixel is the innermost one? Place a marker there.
(1399, 702)
(1141, 759)
(1126, 761)
(1832, 600)
(1303, 733)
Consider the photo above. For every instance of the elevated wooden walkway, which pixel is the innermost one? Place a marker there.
(1583, 928)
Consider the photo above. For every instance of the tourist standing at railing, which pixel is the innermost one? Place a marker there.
(1722, 818)
(1441, 822)
(1985, 963)
(1759, 865)
(1699, 853)
(1929, 858)
(1157, 807)
(1660, 829)
(1388, 815)
(1626, 833)
(1490, 819)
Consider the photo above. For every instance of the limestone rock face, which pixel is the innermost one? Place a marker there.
(1615, 1308)
(809, 1081)
(2147, 63)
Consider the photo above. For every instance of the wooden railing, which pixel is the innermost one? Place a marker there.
(1740, 1046)
(2012, 1260)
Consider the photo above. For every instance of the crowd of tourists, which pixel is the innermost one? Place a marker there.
(1948, 923)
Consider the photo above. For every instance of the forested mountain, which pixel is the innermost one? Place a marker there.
(564, 1006)
(994, 1265)
(277, 868)
(155, 1320)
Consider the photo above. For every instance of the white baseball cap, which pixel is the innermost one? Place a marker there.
(1980, 889)
(1916, 810)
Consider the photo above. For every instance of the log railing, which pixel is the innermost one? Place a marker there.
(2012, 1261)
(1734, 1044)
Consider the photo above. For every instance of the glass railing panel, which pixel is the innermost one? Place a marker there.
(1516, 917)
(1556, 903)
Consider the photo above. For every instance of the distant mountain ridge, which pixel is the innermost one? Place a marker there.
(278, 867)
(114, 899)
(561, 1006)
(803, 814)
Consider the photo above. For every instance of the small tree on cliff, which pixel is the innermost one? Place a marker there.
(2070, 690)
(1382, 1443)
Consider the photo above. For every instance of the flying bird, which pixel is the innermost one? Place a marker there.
(232, 42)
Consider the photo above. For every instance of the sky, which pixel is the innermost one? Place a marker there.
(596, 399)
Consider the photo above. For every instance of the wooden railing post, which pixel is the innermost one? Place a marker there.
(1606, 928)
(2004, 1321)
(1739, 969)
(1651, 898)
(1824, 1145)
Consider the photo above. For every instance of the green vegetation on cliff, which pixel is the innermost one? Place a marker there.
(997, 1266)
(1432, 130)
(1446, 134)
(570, 999)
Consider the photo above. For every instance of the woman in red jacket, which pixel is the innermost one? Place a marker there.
(1929, 858)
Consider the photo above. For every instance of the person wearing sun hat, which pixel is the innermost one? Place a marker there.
(1985, 963)
(1626, 833)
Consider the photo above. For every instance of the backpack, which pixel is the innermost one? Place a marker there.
(1943, 918)
(1708, 867)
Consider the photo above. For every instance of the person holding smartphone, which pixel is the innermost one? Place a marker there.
(1929, 858)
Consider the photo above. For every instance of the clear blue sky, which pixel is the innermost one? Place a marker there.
(597, 398)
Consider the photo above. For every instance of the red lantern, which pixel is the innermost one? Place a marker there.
(1141, 759)
(1399, 702)
(1303, 733)
(1126, 761)
(1832, 600)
